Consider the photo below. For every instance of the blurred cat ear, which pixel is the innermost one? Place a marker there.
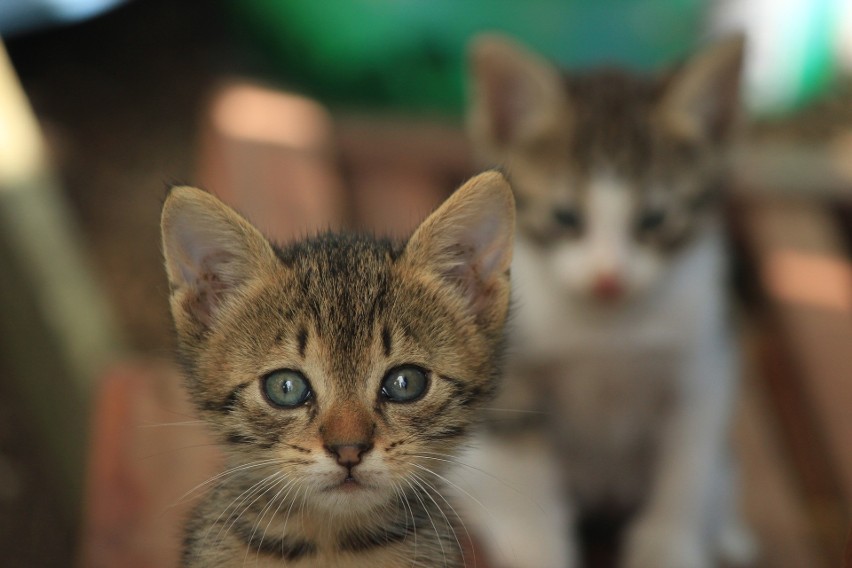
(702, 100)
(515, 95)
(468, 243)
(210, 251)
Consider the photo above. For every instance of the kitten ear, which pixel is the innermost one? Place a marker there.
(468, 243)
(515, 95)
(210, 251)
(702, 99)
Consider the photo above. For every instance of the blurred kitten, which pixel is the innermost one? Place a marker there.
(622, 354)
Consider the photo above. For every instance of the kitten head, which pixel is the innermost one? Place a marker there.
(613, 172)
(343, 364)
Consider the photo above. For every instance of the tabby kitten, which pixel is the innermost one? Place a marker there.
(340, 374)
(622, 354)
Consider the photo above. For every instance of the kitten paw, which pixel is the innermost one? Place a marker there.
(652, 544)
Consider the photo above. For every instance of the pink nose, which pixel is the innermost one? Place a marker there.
(608, 286)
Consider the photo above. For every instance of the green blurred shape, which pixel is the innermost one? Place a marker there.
(410, 54)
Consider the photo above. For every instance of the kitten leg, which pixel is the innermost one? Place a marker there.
(674, 529)
(735, 542)
(512, 499)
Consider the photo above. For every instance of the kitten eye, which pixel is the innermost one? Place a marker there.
(404, 384)
(651, 219)
(286, 389)
(568, 219)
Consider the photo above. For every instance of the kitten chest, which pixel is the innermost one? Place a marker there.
(610, 413)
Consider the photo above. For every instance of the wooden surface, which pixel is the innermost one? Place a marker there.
(147, 455)
(773, 500)
(804, 273)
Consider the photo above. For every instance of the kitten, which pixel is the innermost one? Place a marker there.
(341, 374)
(622, 354)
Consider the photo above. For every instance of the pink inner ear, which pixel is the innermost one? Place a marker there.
(206, 289)
(203, 299)
(477, 285)
(490, 248)
(479, 253)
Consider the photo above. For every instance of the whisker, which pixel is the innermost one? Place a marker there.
(448, 458)
(266, 508)
(460, 488)
(449, 524)
(256, 489)
(407, 505)
(457, 486)
(182, 448)
(251, 488)
(431, 520)
(227, 473)
(288, 487)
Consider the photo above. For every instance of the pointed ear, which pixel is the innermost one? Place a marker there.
(210, 252)
(467, 242)
(702, 100)
(515, 95)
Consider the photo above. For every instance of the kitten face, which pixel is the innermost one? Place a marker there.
(342, 364)
(613, 172)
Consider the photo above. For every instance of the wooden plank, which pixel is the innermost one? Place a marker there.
(773, 169)
(400, 169)
(772, 497)
(148, 452)
(805, 274)
(272, 156)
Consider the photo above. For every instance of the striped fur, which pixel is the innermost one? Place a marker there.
(342, 310)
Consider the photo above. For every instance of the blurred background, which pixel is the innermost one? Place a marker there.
(348, 113)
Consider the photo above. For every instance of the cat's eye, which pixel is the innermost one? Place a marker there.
(651, 220)
(286, 388)
(568, 218)
(404, 384)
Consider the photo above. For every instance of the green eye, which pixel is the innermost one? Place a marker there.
(286, 389)
(404, 384)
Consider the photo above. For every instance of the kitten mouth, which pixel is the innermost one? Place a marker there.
(348, 485)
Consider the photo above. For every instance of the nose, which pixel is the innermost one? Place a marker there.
(349, 455)
(608, 286)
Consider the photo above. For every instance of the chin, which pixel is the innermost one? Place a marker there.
(348, 495)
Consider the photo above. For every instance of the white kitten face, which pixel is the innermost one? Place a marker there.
(598, 244)
(604, 261)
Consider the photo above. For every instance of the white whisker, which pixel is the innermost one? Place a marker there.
(464, 527)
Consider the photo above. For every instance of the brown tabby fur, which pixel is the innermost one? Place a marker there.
(343, 310)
